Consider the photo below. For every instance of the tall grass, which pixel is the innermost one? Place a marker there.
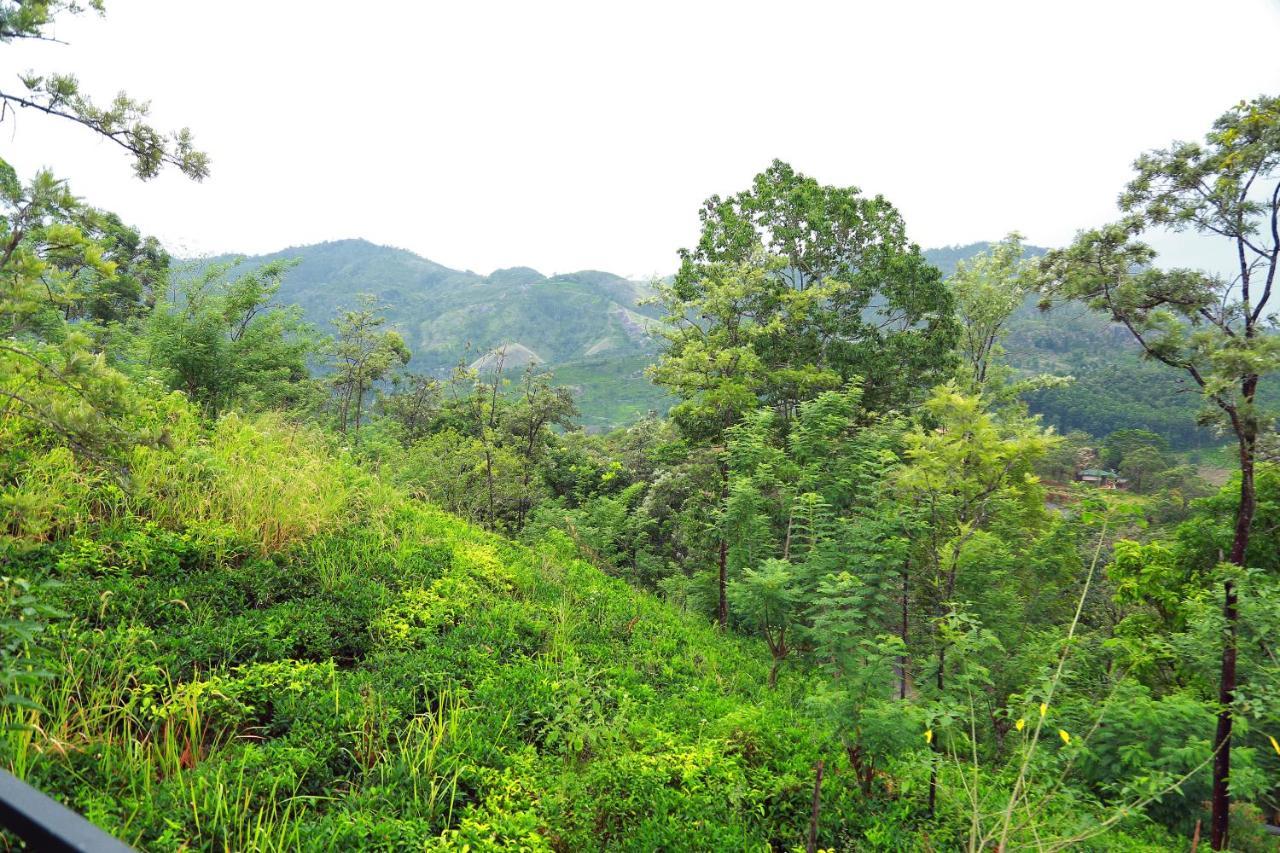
(263, 480)
(418, 754)
(152, 740)
(50, 495)
(269, 481)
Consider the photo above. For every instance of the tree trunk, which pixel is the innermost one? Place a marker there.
(488, 471)
(933, 769)
(863, 768)
(812, 845)
(902, 660)
(526, 499)
(359, 407)
(343, 403)
(942, 666)
(722, 614)
(1221, 810)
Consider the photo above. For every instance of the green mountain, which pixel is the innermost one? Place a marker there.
(1113, 386)
(592, 329)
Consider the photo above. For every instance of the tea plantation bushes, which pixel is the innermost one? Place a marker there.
(403, 683)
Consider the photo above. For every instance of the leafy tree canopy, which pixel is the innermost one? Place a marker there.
(884, 314)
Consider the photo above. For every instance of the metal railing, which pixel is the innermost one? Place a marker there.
(45, 824)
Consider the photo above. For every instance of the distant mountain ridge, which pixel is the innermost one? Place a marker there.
(592, 328)
(441, 310)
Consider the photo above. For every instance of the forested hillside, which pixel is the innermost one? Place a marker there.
(332, 549)
(594, 331)
(592, 327)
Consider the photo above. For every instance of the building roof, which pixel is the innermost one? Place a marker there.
(1098, 472)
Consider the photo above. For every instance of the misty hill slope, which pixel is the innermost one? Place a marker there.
(590, 324)
(1113, 386)
(441, 311)
(592, 329)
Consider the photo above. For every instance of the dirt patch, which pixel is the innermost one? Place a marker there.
(1214, 475)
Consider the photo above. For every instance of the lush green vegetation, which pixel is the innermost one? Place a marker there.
(262, 647)
(595, 332)
(275, 584)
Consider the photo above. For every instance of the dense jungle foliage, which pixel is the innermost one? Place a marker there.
(269, 584)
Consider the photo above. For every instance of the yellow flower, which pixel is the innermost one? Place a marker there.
(1044, 708)
(928, 736)
(1066, 738)
(1020, 725)
(1274, 745)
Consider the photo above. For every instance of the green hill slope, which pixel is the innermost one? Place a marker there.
(1114, 387)
(267, 649)
(592, 322)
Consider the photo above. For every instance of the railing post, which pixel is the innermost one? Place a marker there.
(46, 824)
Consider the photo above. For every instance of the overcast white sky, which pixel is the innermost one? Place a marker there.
(566, 136)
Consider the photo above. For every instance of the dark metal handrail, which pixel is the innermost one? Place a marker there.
(46, 824)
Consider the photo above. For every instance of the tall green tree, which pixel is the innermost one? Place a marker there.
(538, 409)
(808, 521)
(413, 403)
(1119, 444)
(1141, 466)
(1216, 330)
(713, 334)
(364, 354)
(61, 262)
(51, 372)
(222, 341)
(795, 289)
(118, 283)
(977, 505)
(882, 313)
(987, 290)
(713, 364)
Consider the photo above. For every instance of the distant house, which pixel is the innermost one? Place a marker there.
(1101, 478)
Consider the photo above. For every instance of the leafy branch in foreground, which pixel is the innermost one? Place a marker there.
(123, 120)
(28, 19)
(49, 371)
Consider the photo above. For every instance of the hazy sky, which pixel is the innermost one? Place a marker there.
(584, 135)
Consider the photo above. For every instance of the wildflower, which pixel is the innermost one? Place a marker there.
(1044, 708)
(1066, 738)
(1020, 725)
(928, 736)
